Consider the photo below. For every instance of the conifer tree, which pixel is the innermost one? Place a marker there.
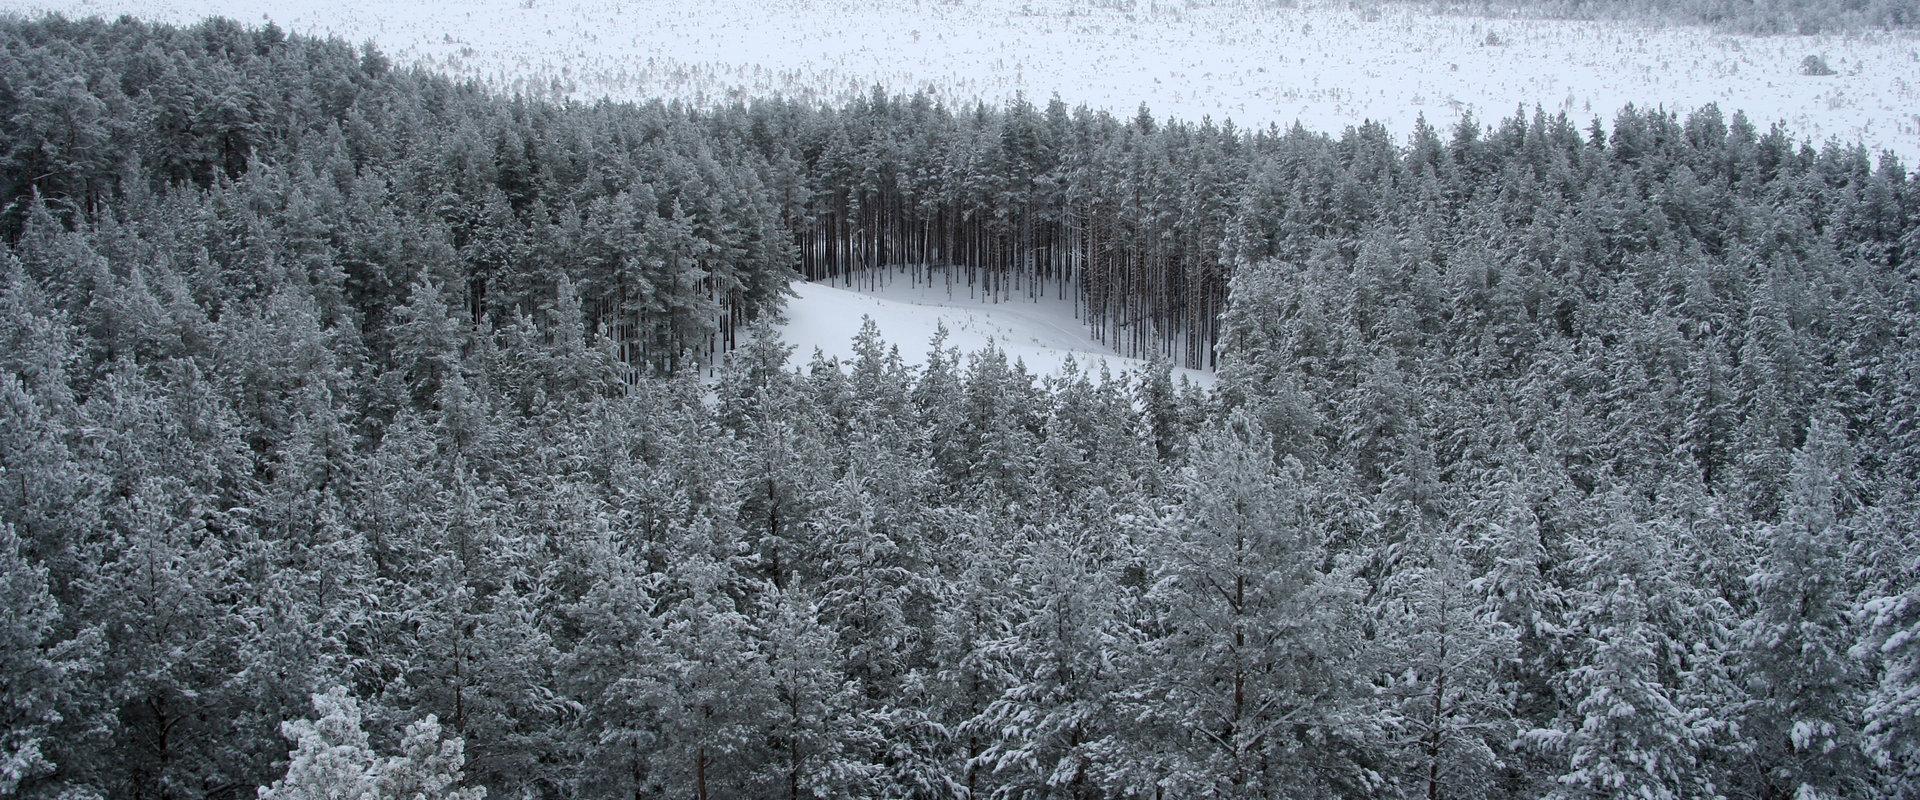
(1803, 712)
(1254, 679)
(332, 758)
(47, 710)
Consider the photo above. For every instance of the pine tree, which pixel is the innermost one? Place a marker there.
(1621, 728)
(427, 342)
(866, 579)
(46, 718)
(1044, 728)
(808, 723)
(53, 496)
(612, 669)
(1254, 681)
(1446, 705)
(333, 760)
(1892, 715)
(786, 465)
(715, 691)
(973, 606)
(1803, 715)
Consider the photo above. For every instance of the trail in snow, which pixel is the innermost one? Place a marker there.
(1043, 333)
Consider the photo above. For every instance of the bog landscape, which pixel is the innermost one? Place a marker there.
(960, 399)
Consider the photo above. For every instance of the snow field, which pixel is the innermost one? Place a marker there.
(1324, 63)
(1041, 333)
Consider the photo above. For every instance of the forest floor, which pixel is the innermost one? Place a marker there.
(1041, 332)
(1325, 63)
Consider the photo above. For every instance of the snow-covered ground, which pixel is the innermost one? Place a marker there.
(1324, 63)
(1041, 333)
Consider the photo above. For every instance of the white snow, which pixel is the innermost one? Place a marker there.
(1041, 333)
(1325, 63)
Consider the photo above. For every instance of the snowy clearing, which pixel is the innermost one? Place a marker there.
(1041, 333)
(1325, 64)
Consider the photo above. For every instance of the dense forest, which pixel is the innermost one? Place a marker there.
(364, 434)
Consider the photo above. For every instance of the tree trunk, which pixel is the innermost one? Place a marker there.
(700, 773)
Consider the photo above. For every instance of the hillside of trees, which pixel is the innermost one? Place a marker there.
(366, 434)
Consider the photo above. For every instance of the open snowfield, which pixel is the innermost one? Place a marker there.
(1041, 333)
(1323, 63)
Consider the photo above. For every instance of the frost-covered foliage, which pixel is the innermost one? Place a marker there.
(1543, 461)
(332, 759)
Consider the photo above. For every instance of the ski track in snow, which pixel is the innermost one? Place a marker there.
(1041, 333)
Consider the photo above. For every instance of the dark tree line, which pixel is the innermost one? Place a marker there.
(1762, 17)
(350, 443)
(316, 163)
(678, 225)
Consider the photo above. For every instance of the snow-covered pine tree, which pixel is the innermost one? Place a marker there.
(1804, 689)
(1254, 680)
(333, 759)
(1620, 727)
(45, 718)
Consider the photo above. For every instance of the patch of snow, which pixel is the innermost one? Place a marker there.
(1042, 333)
(1325, 63)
